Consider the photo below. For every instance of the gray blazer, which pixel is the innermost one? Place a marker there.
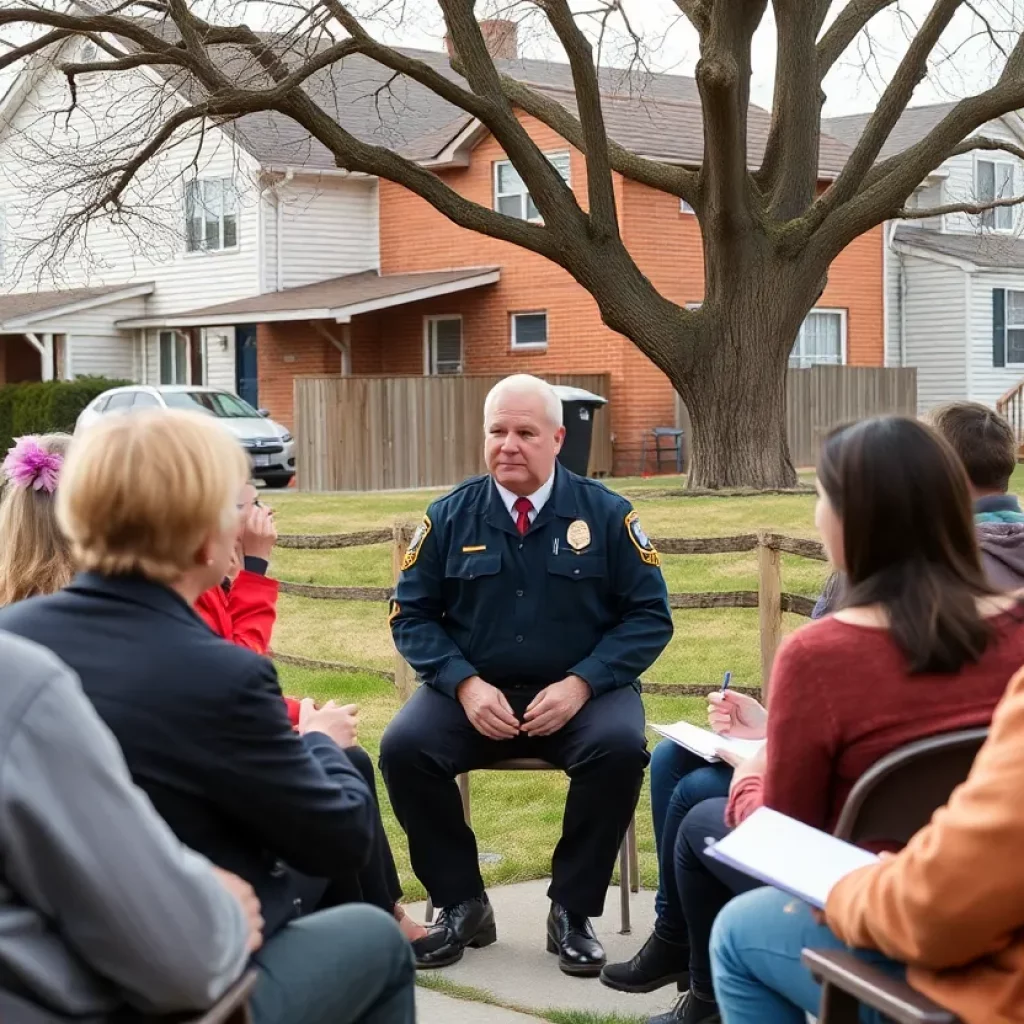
(101, 907)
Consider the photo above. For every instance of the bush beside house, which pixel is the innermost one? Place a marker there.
(42, 408)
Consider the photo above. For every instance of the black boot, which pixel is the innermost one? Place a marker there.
(658, 963)
(572, 937)
(470, 923)
(690, 1009)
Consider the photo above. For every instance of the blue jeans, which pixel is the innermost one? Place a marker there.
(755, 951)
(679, 780)
(346, 965)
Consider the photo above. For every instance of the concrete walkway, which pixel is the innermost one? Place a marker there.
(518, 971)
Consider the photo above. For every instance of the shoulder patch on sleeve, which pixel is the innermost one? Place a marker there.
(641, 541)
(416, 543)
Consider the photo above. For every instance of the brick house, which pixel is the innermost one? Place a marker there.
(299, 269)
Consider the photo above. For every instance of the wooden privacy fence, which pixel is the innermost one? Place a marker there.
(400, 433)
(824, 397)
(769, 598)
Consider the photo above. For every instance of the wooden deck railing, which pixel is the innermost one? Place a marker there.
(1011, 407)
(769, 597)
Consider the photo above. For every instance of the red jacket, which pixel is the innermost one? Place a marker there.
(245, 614)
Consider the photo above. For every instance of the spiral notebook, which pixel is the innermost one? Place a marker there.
(789, 855)
(705, 743)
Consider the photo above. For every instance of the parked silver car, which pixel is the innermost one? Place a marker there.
(270, 446)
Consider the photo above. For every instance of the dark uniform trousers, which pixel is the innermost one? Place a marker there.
(602, 749)
(581, 593)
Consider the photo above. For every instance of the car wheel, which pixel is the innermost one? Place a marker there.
(278, 481)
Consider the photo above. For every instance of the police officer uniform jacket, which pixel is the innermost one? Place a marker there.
(581, 593)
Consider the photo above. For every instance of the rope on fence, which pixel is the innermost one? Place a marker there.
(769, 598)
(654, 689)
(666, 545)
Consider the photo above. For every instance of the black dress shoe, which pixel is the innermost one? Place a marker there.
(690, 1009)
(658, 963)
(470, 923)
(572, 937)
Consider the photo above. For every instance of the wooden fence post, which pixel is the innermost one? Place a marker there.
(769, 603)
(405, 678)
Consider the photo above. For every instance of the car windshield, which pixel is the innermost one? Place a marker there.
(217, 403)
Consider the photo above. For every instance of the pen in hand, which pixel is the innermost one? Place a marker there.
(726, 681)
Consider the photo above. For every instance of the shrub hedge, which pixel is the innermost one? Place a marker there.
(44, 408)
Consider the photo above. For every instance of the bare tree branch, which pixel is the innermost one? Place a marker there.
(600, 189)
(697, 12)
(849, 23)
(983, 142)
(927, 212)
(679, 181)
(888, 111)
(789, 169)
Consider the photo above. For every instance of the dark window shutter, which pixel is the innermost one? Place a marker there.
(998, 326)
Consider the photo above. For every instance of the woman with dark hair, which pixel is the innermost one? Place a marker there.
(922, 645)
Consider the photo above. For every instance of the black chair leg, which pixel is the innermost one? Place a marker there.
(837, 1006)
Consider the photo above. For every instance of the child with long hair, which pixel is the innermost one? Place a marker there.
(34, 556)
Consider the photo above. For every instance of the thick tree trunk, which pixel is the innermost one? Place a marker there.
(739, 426)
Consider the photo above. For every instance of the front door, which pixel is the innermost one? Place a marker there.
(247, 374)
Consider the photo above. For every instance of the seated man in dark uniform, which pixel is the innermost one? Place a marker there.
(529, 603)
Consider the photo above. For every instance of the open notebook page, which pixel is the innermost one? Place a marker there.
(789, 855)
(704, 742)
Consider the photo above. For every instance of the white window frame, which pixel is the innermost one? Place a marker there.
(430, 344)
(685, 207)
(495, 178)
(174, 359)
(1004, 211)
(530, 346)
(1007, 327)
(833, 311)
(227, 184)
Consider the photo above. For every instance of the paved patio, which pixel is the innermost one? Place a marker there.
(519, 972)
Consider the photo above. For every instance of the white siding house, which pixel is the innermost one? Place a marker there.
(952, 281)
(207, 223)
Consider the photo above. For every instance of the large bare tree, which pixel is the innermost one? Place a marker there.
(770, 232)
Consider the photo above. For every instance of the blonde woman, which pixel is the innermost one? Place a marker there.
(34, 556)
(149, 504)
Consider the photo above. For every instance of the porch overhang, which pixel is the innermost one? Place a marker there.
(28, 312)
(338, 299)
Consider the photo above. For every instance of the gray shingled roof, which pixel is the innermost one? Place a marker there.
(986, 249)
(333, 295)
(654, 115)
(17, 305)
(914, 124)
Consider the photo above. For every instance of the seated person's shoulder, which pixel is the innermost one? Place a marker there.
(28, 670)
(464, 496)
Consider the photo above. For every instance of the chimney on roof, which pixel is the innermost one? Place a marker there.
(500, 36)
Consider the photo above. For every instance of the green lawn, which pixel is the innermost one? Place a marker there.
(518, 816)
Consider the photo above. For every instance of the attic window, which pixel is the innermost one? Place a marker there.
(511, 196)
(87, 54)
(211, 214)
(993, 179)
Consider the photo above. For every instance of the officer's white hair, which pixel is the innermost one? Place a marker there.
(523, 384)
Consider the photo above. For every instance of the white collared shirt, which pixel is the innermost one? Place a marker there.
(538, 499)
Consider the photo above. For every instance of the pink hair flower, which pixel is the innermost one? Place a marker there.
(29, 466)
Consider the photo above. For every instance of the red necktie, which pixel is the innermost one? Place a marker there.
(523, 508)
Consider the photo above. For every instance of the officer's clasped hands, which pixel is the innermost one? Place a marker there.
(487, 709)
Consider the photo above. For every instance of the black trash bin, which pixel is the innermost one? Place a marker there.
(578, 408)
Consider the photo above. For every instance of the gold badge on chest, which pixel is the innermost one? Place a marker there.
(578, 535)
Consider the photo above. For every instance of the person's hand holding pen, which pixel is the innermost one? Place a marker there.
(735, 714)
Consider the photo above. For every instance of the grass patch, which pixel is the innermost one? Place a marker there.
(519, 815)
(470, 994)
